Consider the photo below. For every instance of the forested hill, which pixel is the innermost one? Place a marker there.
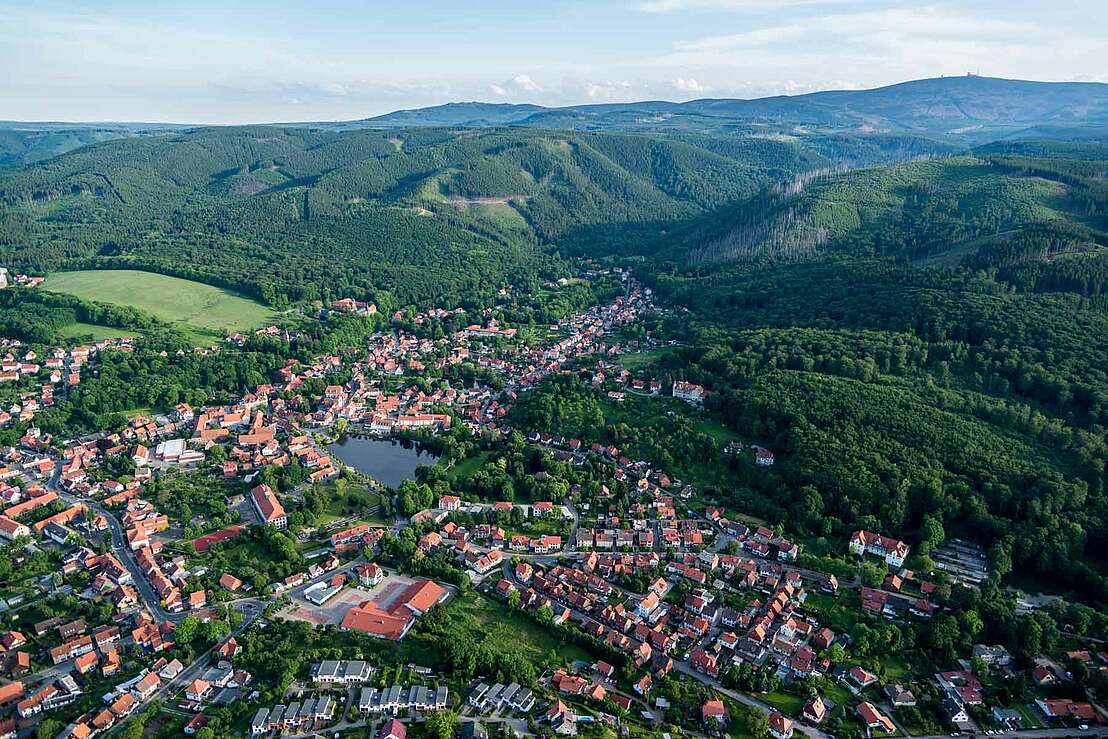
(424, 214)
(26, 143)
(921, 344)
(968, 108)
(985, 210)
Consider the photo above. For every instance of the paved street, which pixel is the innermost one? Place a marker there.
(120, 549)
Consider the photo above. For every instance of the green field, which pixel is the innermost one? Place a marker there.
(639, 360)
(346, 499)
(469, 465)
(510, 631)
(203, 312)
(80, 330)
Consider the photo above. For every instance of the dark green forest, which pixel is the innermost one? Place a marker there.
(426, 217)
(922, 344)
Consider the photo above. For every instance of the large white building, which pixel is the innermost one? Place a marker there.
(893, 551)
(689, 392)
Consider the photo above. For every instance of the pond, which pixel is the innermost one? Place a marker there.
(389, 461)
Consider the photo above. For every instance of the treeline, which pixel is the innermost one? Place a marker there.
(38, 316)
(1034, 242)
(1085, 274)
(1003, 342)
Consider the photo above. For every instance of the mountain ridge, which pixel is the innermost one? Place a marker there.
(489, 113)
(941, 105)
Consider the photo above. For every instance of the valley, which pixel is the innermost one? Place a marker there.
(726, 418)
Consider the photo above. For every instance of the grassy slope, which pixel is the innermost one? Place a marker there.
(203, 311)
(914, 209)
(80, 330)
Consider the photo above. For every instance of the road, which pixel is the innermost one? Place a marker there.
(747, 700)
(122, 550)
(251, 609)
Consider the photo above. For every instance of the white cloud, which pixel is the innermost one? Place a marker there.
(744, 39)
(521, 84)
(688, 85)
(336, 88)
(525, 83)
(608, 90)
(884, 45)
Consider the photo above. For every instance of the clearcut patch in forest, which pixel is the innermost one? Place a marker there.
(204, 312)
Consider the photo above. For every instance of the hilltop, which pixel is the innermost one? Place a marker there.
(956, 111)
(968, 108)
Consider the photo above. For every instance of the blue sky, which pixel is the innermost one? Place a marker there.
(245, 61)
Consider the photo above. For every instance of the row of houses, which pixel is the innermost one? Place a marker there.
(488, 698)
(396, 698)
(341, 672)
(296, 716)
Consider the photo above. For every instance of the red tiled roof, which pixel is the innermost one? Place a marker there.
(370, 618)
(267, 503)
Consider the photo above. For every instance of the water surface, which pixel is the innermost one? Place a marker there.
(389, 461)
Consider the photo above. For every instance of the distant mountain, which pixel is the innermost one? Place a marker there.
(971, 108)
(456, 114)
(919, 116)
(29, 142)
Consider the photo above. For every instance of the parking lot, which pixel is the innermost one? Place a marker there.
(383, 594)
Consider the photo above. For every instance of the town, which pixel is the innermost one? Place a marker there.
(150, 565)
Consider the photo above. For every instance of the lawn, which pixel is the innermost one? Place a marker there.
(639, 360)
(896, 669)
(202, 311)
(511, 631)
(839, 614)
(346, 499)
(837, 693)
(538, 527)
(469, 465)
(717, 431)
(786, 703)
(85, 331)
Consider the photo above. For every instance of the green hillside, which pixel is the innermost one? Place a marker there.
(917, 341)
(913, 210)
(287, 214)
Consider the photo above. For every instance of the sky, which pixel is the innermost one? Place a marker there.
(246, 61)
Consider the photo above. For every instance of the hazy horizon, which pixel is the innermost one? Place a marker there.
(286, 62)
(184, 123)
